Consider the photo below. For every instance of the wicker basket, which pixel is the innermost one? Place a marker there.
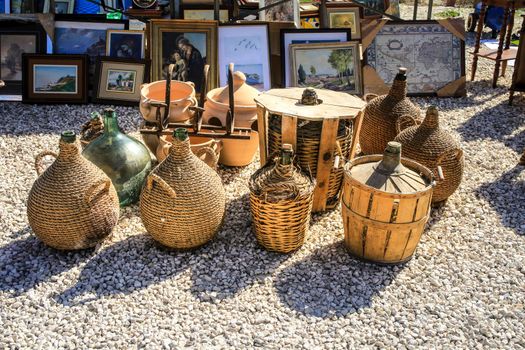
(72, 204)
(183, 202)
(381, 115)
(434, 148)
(281, 200)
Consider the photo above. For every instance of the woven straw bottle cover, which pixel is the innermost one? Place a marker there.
(281, 178)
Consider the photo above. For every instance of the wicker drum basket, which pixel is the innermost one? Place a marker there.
(72, 204)
(183, 202)
(385, 212)
(281, 202)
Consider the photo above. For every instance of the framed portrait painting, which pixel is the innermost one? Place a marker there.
(54, 78)
(189, 45)
(118, 80)
(125, 44)
(247, 47)
(332, 66)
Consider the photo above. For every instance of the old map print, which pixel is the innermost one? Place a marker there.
(432, 55)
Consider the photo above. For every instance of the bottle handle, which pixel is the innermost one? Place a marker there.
(405, 119)
(88, 197)
(155, 178)
(38, 161)
(211, 152)
(369, 97)
(457, 154)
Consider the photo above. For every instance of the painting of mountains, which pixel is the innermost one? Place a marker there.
(49, 78)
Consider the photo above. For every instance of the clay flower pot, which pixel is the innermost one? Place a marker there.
(182, 97)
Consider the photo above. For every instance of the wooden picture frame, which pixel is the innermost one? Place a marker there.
(247, 46)
(16, 38)
(192, 38)
(300, 53)
(344, 17)
(435, 57)
(303, 36)
(285, 12)
(126, 44)
(55, 78)
(59, 10)
(205, 12)
(114, 90)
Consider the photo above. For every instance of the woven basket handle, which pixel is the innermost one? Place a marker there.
(404, 122)
(369, 97)
(155, 178)
(281, 187)
(39, 167)
(209, 151)
(456, 153)
(88, 197)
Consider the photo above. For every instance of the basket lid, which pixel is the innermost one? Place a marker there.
(389, 174)
(243, 93)
(330, 104)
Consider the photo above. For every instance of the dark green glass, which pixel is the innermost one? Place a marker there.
(124, 159)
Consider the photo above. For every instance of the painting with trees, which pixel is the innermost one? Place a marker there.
(334, 66)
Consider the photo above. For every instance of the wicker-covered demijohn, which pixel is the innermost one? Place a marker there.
(183, 202)
(382, 114)
(281, 199)
(72, 204)
(433, 147)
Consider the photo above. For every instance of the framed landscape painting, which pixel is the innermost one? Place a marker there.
(54, 78)
(340, 17)
(247, 47)
(332, 66)
(118, 81)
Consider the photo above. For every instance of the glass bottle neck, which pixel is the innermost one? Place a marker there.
(111, 124)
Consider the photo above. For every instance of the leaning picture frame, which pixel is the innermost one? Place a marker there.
(54, 78)
(204, 12)
(344, 17)
(305, 36)
(247, 46)
(125, 44)
(118, 80)
(331, 66)
(288, 11)
(190, 45)
(61, 7)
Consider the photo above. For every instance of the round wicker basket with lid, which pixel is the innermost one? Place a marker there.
(382, 114)
(386, 204)
(72, 204)
(322, 127)
(436, 149)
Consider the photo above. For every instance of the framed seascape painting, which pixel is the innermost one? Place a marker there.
(54, 78)
(15, 40)
(433, 55)
(332, 66)
(125, 44)
(190, 45)
(247, 47)
(341, 17)
(306, 36)
(287, 11)
(118, 81)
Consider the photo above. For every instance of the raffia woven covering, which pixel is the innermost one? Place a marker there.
(307, 149)
(72, 204)
(91, 129)
(432, 146)
(183, 202)
(381, 115)
(281, 198)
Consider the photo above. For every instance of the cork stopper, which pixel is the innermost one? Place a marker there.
(402, 74)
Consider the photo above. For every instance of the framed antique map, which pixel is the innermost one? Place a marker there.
(433, 53)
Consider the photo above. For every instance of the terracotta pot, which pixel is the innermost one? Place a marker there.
(182, 96)
(207, 149)
(237, 152)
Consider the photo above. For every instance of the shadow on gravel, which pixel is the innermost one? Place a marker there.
(27, 262)
(506, 195)
(329, 282)
(233, 260)
(124, 267)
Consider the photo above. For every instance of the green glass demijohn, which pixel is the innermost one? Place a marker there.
(124, 159)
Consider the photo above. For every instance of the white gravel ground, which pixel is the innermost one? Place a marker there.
(464, 288)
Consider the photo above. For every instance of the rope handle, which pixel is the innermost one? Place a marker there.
(407, 119)
(155, 178)
(38, 161)
(369, 97)
(209, 151)
(456, 153)
(283, 186)
(88, 197)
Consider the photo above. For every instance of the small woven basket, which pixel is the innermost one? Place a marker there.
(281, 200)
(72, 204)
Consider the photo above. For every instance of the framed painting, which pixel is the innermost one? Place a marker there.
(22, 6)
(125, 44)
(247, 47)
(118, 80)
(61, 6)
(54, 78)
(15, 40)
(331, 66)
(287, 11)
(204, 12)
(344, 17)
(306, 36)
(432, 51)
(379, 5)
(190, 45)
